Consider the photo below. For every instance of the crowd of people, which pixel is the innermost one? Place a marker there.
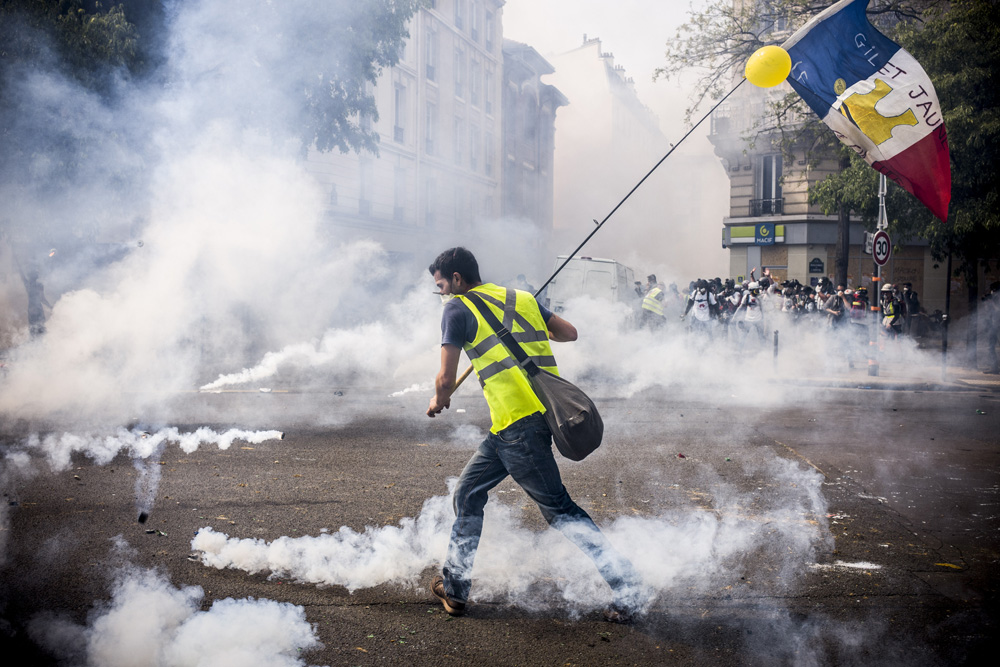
(749, 309)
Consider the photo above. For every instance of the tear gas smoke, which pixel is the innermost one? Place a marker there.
(59, 449)
(237, 270)
(236, 256)
(147, 481)
(422, 387)
(684, 550)
(614, 359)
(148, 621)
(372, 353)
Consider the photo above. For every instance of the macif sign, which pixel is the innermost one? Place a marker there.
(764, 234)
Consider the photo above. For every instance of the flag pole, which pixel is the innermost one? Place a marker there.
(673, 147)
(600, 224)
(876, 298)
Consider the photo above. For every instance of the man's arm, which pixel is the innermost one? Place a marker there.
(560, 330)
(444, 383)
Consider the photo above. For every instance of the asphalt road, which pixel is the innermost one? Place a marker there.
(802, 526)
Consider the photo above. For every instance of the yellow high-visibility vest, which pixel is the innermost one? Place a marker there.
(505, 384)
(651, 303)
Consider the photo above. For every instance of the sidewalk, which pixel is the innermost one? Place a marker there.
(904, 377)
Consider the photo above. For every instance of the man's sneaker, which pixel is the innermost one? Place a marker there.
(453, 607)
(617, 613)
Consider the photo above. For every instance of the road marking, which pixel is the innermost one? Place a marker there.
(792, 450)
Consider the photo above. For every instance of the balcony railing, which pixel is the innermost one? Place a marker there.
(759, 207)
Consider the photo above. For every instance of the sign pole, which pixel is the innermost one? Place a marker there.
(880, 257)
(945, 319)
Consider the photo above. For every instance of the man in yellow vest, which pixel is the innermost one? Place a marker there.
(519, 443)
(652, 304)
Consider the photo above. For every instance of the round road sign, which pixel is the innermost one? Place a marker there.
(881, 247)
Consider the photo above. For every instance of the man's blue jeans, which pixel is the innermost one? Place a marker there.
(523, 450)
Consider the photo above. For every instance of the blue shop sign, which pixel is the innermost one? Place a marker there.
(764, 234)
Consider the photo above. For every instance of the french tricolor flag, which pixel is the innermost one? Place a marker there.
(876, 98)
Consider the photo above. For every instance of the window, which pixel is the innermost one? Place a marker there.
(430, 52)
(333, 196)
(474, 20)
(365, 192)
(488, 32)
(474, 148)
(429, 204)
(459, 72)
(366, 118)
(474, 83)
(399, 114)
(488, 92)
(770, 177)
(459, 131)
(430, 129)
(489, 154)
(459, 13)
(767, 187)
(399, 195)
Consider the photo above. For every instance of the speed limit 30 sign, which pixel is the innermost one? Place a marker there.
(881, 247)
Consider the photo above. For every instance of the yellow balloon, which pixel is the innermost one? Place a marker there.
(768, 66)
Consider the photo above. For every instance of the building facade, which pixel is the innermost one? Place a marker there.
(771, 223)
(443, 157)
(529, 117)
(606, 139)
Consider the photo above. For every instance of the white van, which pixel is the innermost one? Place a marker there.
(593, 276)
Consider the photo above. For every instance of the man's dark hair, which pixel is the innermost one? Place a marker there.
(457, 260)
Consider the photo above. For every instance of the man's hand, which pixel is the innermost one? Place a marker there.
(444, 383)
(435, 408)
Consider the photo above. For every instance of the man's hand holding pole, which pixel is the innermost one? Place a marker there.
(445, 383)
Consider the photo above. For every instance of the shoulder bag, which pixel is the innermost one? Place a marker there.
(577, 427)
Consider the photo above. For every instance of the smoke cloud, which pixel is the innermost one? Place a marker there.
(240, 283)
(149, 621)
(679, 551)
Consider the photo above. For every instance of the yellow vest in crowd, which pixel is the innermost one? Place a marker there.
(650, 302)
(505, 384)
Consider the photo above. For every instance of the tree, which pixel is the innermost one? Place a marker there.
(719, 39)
(959, 48)
(721, 35)
(370, 36)
(71, 72)
(344, 43)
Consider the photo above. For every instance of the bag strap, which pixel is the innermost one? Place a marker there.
(504, 334)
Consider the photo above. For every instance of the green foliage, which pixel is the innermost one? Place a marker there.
(721, 35)
(347, 50)
(957, 43)
(89, 38)
(370, 38)
(101, 37)
(960, 50)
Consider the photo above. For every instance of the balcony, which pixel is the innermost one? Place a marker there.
(759, 207)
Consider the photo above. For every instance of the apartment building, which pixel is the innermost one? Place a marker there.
(442, 158)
